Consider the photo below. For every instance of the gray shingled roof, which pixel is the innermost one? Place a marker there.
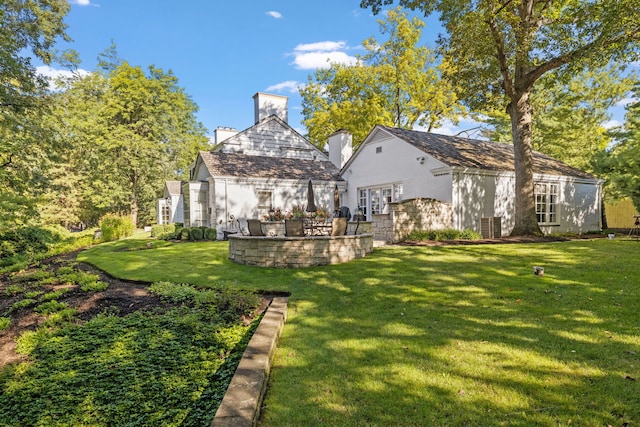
(246, 166)
(473, 153)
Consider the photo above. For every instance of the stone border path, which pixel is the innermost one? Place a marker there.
(243, 399)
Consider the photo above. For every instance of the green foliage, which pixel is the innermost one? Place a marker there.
(147, 369)
(620, 164)
(569, 114)
(115, 227)
(210, 234)
(184, 234)
(50, 307)
(5, 322)
(396, 83)
(445, 234)
(27, 241)
(27, 302)
(174, 292)
(196, 234)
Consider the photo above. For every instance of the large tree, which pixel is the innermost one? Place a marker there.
(28, 29)
(396, 83)
(501, 48)
(570, 114)
(127, 132)
(620, 164)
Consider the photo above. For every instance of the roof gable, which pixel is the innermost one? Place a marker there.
(271, 136)
(476, 154)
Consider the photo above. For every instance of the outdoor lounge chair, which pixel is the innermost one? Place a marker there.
(293, 228)
(255, 227)
(339, 227)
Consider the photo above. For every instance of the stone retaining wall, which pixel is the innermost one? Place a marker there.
(298, 252)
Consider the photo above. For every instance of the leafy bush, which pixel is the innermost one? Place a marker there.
(195, 234)
(444, 234)
(174, 292)
(184, 234)
(116, 227)
(210, 234)
(157, 230)
(27, 241)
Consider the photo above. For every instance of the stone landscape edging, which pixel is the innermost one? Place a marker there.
(243, 399)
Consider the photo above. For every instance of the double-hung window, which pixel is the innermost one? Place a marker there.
(546, 195)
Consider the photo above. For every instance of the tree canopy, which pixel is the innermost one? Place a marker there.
(396, 83)
(620, 164)
(128, 132)
(501, 48)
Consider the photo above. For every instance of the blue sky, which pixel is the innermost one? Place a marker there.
(223, 52)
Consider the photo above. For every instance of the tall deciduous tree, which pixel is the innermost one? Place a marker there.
(620, 164)
(129, 131)
(501, 48)
(396, 83)
(570, 114)
(28, 29)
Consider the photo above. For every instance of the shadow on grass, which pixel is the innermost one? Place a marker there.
(443, 335)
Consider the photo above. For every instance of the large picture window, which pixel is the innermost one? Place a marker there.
(546, 195)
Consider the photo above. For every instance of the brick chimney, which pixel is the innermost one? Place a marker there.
(266, 104)
(340, 147)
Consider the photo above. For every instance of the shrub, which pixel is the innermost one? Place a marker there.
(195, 234)
(28, 241)
(157, 231)
(116, 227)
(444, 234)
(184, 234)
(174, 292)
(210, 234)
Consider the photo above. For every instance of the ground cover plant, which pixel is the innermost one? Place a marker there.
(440, 335)
(80, 348)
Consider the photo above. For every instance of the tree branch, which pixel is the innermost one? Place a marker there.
(501, 56)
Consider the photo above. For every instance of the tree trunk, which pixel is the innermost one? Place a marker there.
(520, 111)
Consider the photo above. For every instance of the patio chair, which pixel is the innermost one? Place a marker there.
(293, 228)
(255, 227)
(339, 226)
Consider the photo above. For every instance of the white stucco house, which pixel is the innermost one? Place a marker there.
(399, 180)
(265, 167)
(469, 184)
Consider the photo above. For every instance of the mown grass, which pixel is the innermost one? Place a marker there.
(439, 336)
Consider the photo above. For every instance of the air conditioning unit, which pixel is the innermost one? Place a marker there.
(491, 227)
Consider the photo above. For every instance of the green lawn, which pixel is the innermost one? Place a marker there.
(439, 336)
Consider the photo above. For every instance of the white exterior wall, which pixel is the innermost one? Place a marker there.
(486, 194)
(237, 198)
(397, 163)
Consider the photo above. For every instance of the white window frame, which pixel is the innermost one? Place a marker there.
(265, 199)
(375, 200)
(547, 202)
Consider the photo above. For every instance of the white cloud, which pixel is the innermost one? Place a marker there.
(274, 14)
(612, 124)
(53, 73)
(288, 86)
(626, 101)
(83, 3)
(311, 56)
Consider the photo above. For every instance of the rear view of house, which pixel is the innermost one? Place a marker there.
(403, 180)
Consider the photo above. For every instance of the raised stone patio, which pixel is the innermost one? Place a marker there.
(298, 252)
